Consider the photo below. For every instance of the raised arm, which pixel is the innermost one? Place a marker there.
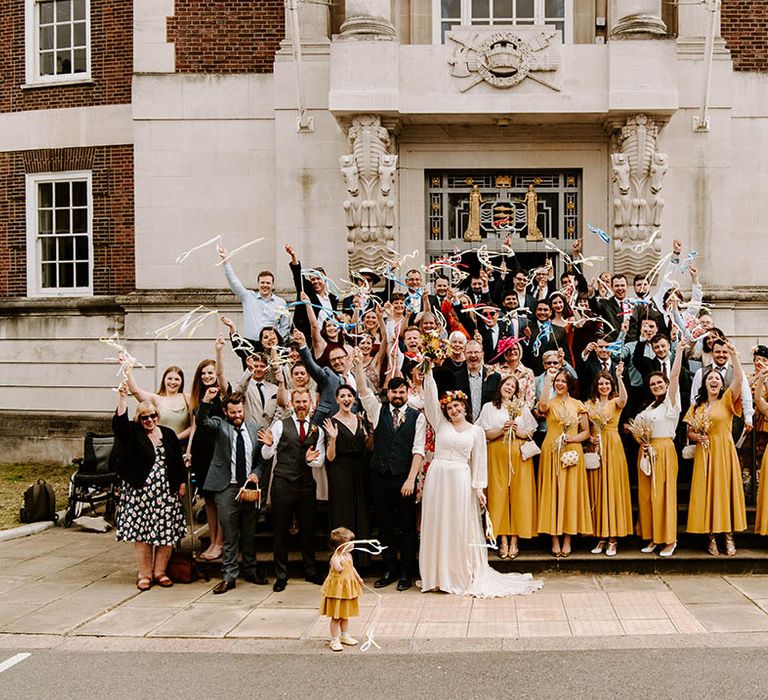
(674, 373)
(237, 287)
(546, 392)
(760, 402)
(318, 343)
(622, 400)
(738, 372)
(137, 391)
(315, 371)
(220, 378)
(431, 401)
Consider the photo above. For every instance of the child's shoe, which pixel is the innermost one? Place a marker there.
(349, 641)
(335, 644)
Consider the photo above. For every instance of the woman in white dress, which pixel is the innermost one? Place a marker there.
(453, 555)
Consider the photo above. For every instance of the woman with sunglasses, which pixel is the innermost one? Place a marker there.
(151, 466)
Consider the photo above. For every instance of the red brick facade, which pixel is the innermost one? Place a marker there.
(111, 60)
(745, 29)
(113, 217)
(226, 36)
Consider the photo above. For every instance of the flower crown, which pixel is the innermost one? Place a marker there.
(449, 396)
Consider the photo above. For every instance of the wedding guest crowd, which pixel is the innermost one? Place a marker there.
(477, 386)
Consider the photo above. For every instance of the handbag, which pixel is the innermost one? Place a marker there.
(569, 458)
(529, 449)
(182, 568)
(592, 460)
(689, 451)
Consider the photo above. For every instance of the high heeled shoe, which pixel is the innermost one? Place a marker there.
(503, 551)
(611, 550)
(650, 548)
(599, 547)
(712, 546)
(669, 550)
(730, 545)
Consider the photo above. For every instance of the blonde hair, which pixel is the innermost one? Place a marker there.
(341, 535)
(146, 407)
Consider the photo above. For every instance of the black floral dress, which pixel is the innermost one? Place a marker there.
(151, 514)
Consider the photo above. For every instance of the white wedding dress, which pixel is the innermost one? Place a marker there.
(453, 556)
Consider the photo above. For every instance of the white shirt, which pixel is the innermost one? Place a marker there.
(248, 452)
(268, 451)
(665, 417)
(372, 407)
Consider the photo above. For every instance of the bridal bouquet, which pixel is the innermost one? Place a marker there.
(701, 423)
(514, 409)
(641, 428)
(598, 421)
(568, 421)
(433, 348)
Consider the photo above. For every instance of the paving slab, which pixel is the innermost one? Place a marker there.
(40, 592)
(440, 630)
(730, 618)
(395, 630)
(630, 582)
(544, 629)
(703, 589)
(180, 595)
(126, 622)
(319, 629)
(569, 583)
(755, 586)
(596, 628)
(58, 617)
(648, 626)
(296, 595)
(488, 629)
(201, 620)
(13, 611)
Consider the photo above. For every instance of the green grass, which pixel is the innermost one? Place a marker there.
(16, 478)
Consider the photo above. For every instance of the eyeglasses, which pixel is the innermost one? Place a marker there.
(147, 417)
(551, 362)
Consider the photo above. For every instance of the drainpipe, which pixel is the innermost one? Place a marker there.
(701, 122)
(304, 123)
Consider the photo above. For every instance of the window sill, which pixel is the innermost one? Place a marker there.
(22, 306)
(56, 83)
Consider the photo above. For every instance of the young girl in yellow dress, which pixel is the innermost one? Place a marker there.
(563, 492)
(341, 589)
(717, 495)
(609, 483)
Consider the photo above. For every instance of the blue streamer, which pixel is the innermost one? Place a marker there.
(602, 235)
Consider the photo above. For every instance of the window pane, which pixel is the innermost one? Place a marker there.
(63, 62)
(45, 194)
(79, 221)
(81, 271)
(79, 34)
(63, 10)
(49, 275)
(78, 9)
(79, 194)
(66, 248)
(67, 275)
(62, 221)
(451, 8)
(62, 194)
(46, 63)
(79, 60)
(81, 248)
(480, 8)
(63, 36)
(502, 9)
(46, 12)
(447, 27)
(46, 38)
(525, 9)
(47, 249)
(44, 221)
(554, 8)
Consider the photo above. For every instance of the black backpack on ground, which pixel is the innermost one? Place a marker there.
(39, 503)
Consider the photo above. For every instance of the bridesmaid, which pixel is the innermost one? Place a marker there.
(563, 492)
(761, 518)
(346, 462)
(609, 483)
(511, 480)
(657, 492)
(717, 495)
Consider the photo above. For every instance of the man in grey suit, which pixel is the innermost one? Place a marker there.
(328, 378)
(260, 395)
(235, 461)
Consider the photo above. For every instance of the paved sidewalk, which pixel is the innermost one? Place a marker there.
(74, 584)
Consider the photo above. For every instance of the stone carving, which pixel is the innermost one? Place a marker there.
(504, 58)
(637, 174)
(369, 173)
(472, 233)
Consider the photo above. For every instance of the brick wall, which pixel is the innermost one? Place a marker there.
(111, 60)
(113, 217)
(745, 29)
(226, 36)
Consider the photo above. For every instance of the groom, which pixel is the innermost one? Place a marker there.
(398, 437)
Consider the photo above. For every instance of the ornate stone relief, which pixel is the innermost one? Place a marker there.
(504, 58)
(369, 172)
(637, 173)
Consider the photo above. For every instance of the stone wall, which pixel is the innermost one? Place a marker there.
(113, 214)
(226, 36)
(745, 29)
(111, 61)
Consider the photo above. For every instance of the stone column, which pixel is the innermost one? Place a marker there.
(368, 19)
(636, 19)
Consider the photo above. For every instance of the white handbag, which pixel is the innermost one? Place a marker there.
(569, 458)
(529, 449)
(689, 451)
(592, 460)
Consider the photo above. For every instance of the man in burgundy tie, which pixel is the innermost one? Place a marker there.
(299, 447)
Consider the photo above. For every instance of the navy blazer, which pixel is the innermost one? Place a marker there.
(220, 472)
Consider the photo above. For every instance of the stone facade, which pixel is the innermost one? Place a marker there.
(190, 128)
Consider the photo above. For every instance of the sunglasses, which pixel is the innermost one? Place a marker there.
(148, 416)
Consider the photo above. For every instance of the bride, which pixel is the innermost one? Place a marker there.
(453, 556)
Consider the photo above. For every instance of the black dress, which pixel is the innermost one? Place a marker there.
(347, 505)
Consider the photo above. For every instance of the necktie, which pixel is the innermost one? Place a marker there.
(396, 417)
(260, 387)
(302, 431)
(605, 365)
(240, 458)
(665, 367)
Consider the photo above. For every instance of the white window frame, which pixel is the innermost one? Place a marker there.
(32, 76)
(466, 18)
(34, 281)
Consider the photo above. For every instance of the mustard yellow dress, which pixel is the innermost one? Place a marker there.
(609, 493)
(717, 495)
(340, 591)
(511, 479)
(563, 491)
(761, 517)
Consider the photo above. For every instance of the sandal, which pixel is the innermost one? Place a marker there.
(144, 583)
(612, 549)
(163, 581)
(599, 547)
(730, 545)
(503, 550)
(712, 546)
(513, 552)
